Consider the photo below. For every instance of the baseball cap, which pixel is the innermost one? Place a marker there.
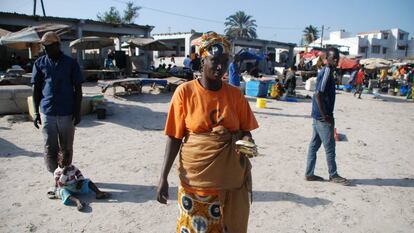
(49, 38)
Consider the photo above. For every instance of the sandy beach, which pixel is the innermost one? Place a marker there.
(123, 155)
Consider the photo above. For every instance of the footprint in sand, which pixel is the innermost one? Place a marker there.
(17, 204)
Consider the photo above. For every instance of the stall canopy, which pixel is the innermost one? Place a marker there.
(3, 32)
(347, 63)
(375, 63)
(29, 36)
(312, 54)
(245, 54)
(148, 44)
(408, 60)
(91, 42)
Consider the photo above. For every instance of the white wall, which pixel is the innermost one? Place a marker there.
(368, 40)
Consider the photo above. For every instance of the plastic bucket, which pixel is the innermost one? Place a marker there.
(261, 103)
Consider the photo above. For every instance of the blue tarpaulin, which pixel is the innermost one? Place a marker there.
(249, 55)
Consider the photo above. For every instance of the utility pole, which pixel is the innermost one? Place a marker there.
(322, 35)
(34, 7)
(43, 8)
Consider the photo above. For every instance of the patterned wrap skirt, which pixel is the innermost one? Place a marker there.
(198, 214)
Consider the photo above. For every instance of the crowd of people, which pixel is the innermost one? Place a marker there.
(383, 79)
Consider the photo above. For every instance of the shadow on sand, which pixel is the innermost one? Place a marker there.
(281, 114)
(404, 182)
(387, 98)
(9, 149)
(143, 193)
(131, 116)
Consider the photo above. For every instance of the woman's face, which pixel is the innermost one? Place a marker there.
(214, 67)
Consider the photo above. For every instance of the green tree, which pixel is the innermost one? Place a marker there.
(113, 15)
(240, 25)
(310, 34)
(130, 13)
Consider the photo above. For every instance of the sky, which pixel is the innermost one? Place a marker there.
(276, 19)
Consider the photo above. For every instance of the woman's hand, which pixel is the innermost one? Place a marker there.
(162, 191)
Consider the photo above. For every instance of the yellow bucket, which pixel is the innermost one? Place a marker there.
(261, 103)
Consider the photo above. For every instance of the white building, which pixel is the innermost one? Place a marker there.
(387, 44)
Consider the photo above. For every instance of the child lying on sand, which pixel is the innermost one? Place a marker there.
(70, 180)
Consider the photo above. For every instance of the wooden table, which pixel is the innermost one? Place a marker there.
(130, 85)
(105, 73)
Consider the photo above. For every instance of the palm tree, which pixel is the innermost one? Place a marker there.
(240, 25)
(311, 33)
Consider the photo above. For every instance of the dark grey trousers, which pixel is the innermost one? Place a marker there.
(58, 133)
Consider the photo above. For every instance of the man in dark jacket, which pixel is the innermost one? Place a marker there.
(57, 95)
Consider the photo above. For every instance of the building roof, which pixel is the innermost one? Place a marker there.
(72, 20)
(173, 33)
(380, 31)
(370, 32)
(270, 43)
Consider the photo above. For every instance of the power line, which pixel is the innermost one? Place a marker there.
(205, 19)
(182, 15)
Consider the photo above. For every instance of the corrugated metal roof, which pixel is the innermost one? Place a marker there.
(11, 15)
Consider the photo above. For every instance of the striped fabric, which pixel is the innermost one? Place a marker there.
(73, 174)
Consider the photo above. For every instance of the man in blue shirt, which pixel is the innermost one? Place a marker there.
(323, 103)
(57, 95)
(234, 72)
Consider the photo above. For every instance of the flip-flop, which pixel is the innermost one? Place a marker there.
(51, 193)
(103, 196)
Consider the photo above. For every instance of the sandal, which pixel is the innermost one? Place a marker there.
(81, 206)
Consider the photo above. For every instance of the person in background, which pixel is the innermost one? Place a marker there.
(353, 77)
(359, 82)
(323, 103)
(277, 90)
(206, 117)
(382, 77)
(109, 62)
(159, 68)
(187, 62)
(402, 71)
(270, 65)
(290, 82)
(395, 77)
(172, 59)
(196, 62)
(234, 72)
(57, 98)
(254, 71)
(174, 69)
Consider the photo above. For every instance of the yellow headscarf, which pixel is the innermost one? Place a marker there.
(212, 44)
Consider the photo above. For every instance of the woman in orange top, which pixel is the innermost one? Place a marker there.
(205, 119)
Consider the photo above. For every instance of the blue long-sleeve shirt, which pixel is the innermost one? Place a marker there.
(234, 77)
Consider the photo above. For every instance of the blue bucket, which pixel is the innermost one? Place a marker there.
(403, 90)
